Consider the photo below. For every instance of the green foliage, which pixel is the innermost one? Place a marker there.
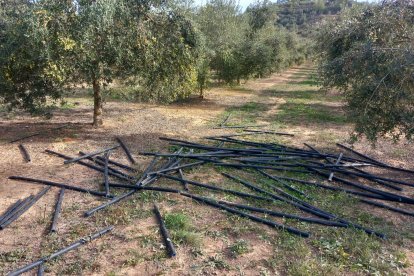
(301, 15)
(28, 71)
(181, 230)
(261, 13)
(177, 221)
(247, 45)
(52, 44)
(239, 248)
(170, 73)
(368, 54)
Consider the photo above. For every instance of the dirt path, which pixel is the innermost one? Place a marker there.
(139, 125)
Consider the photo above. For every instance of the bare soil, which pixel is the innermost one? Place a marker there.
(135, 248)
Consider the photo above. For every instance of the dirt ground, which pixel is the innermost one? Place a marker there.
(135, 237)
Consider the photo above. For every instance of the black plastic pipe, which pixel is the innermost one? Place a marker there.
(360, 154)
(10, 209)
(319, 185)
(111, 170)
(144, 180)
(259, 167)
(203, 147)
(60, 185)
(22, 210)
(312, 210)
(398, 198)
(15, 209)
(364, 174)
(118, 164)
(41, 270)
(89, 165)
(118, 198)
(126, 150)
(73, 246)
(376, 162)
(391, 208)
(284, 215)
(175, 168)
(106, 178)
(146, 188)
(246, 215)
(225, 120)
(25, 153)
(164, 232)
(215, 188)
(269, 132)
(368, 176)
(283, 183)
(92, 154)
(180, 172)
(58, 208)
(219, 127)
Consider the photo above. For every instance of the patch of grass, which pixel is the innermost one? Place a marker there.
(299, 113)
(217, 262)
(312, 82)
(181, 230)
(299, 74)
(148, 196)
(177, 221)
(356, 251)
(244, 114)
(187, 237)
(239, 248)
(14, 256)
(251, 107)
(125, 212)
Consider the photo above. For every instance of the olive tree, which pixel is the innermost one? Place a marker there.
(57, 43)
(31, 43)
(368, 54)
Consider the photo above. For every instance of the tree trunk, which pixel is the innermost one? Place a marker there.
(201, 96)
(97, 107)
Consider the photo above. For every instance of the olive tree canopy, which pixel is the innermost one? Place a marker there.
(368, 54)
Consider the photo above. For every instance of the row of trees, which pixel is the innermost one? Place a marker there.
(168, 48)
(246, 45)
(368, 54)
(47, 45)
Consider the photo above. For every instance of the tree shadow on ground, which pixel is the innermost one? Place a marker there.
(44, 131)
(305, 114)
(311, 82)
(295, 94)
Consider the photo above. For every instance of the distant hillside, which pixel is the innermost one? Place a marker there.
(302, 14)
